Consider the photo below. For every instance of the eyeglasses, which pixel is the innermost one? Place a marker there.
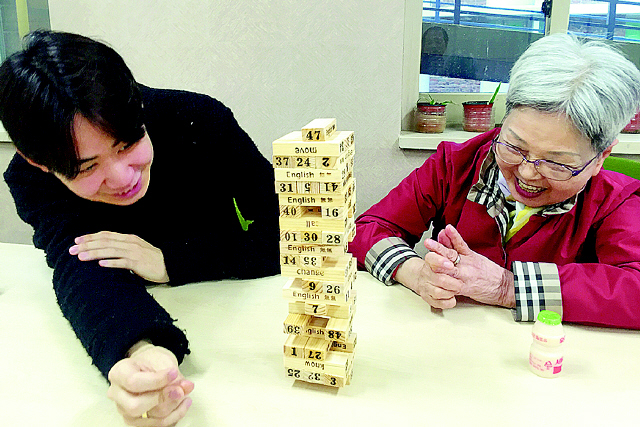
(551, 170)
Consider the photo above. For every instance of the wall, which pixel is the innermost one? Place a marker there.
(277, 65)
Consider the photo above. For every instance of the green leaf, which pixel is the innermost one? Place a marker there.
(495, 93)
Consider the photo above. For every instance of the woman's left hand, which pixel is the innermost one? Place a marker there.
(115, 250)
(483, 280)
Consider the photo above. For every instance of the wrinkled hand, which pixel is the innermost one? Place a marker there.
(115, 250)
(482, 279)
(428, 278)
(150, 383)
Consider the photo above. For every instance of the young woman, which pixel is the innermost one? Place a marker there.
(126, 186)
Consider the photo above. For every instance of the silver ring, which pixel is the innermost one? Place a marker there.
(457, 261)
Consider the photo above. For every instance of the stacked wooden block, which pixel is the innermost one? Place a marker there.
(316, 189)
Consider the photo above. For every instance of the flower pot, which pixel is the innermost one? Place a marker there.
(430, 118)
(478, 116)
(634, 125)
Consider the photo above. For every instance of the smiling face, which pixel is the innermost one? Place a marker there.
(110, 171)
(547, 136)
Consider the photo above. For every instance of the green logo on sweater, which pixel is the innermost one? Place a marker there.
(244, 223)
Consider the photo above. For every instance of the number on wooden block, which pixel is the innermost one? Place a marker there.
(286, 187)
(281, 161)
(304, 162)
(290, 236)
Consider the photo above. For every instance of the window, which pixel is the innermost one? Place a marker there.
(470, 24)
(611, 19)
(17, 18)
(466, 44)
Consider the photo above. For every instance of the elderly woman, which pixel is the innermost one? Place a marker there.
(524, 215)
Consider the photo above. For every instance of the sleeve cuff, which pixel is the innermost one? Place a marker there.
(537, 287)
(384, 257)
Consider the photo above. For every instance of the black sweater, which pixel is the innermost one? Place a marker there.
(202, 161)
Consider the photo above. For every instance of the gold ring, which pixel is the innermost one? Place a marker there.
(145, 415)
(457, 261)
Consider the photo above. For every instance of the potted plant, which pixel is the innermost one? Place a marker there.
(431, 115)
(478, 115)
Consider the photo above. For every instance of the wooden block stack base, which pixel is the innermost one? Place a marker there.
(316, 188)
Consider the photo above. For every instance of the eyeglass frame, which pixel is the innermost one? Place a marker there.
(573, 171)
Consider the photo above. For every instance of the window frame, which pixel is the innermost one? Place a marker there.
(409, 139)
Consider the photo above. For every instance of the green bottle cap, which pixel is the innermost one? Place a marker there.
(549, 317)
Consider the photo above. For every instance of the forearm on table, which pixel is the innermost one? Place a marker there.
(408, 272)
(536, 287)
(384, 258)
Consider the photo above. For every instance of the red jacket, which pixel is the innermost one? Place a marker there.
(596, 245)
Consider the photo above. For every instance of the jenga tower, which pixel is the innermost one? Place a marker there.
(316, 189)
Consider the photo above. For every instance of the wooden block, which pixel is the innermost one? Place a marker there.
(316, 377)
(332, 271)
(316, 349)
(352, 234)
(282, 162)
(308, 187)
(290, 236)
(291, 211)
(319, 130)
(295, 345)
(304, 162)
(313, 308)
(338, 329)
(316, 199)
(310, 285)
(316, 327)
(348, 347)
(297, 289)
(318, 175)
(286, 187)
(288, 259)
(331, 162)
(343, 161)
(337, 187)
(301, 286)
(337, 237)
(296, 324)
(317, 224)
(334, 211)
(314, 249)
(336, 364)
(335, 147)
(311, 260)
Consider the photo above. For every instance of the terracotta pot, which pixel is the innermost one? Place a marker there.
(430, 118)
(634, 125)
(478, 116)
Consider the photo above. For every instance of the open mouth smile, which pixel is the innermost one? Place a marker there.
(528, 190)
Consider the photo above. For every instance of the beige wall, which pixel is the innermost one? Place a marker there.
(276, 64)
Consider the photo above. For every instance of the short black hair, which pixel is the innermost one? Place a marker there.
(55, 77)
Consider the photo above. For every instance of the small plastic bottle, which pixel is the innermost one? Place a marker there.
(545, 356)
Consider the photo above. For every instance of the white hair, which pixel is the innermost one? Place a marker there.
(591, 83)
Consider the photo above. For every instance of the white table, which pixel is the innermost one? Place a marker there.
(413, 366)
